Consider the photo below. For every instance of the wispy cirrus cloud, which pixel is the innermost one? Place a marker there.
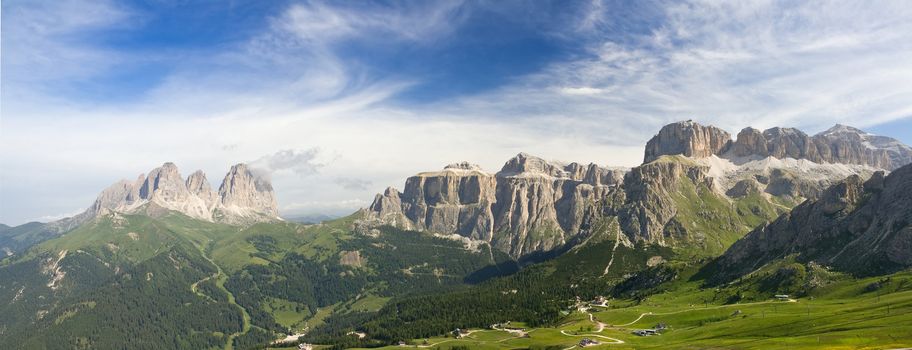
(320, 23)
(807, 64)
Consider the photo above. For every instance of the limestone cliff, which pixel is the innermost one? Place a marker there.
(530, 205)
(689, 139)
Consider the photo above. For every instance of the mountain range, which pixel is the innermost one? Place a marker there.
(164, 261)
(533, 205)
(243, 198)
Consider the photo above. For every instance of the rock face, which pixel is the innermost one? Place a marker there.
(863, 227)
(199, 186)
(530, 205)
(242, 198)
(840, 144)
(246, 197)
(687, 138)
(650, 198)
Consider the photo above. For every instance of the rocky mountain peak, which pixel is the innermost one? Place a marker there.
(198, 185)
(165, 183)
(750, 142)
(687, 138)
(241, 189)
(243, 197)
(841, 129)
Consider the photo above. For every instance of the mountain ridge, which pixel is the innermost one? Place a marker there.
(533, 205)
(838, 144)
(242, 199)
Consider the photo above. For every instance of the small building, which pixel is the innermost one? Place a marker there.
(459, 333)
(402, 343)
(305, 346)
(587, 342)
(782, 297)
(646, 332)
(661, 326)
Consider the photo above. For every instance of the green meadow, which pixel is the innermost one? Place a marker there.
(848, 316)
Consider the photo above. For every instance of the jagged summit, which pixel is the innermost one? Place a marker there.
(841, 129)
(243, 198)
(687, 138)
(839, 144)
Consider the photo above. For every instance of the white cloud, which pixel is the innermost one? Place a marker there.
(353, 184)
(300, 162)
(733, 64)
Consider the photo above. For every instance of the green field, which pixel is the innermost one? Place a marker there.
(847, 317)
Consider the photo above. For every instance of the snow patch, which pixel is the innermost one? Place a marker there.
(728, 172)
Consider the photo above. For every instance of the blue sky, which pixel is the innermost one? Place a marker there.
(359, 95)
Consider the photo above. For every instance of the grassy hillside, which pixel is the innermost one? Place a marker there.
(204, 285)
(871, 313)
(132, 276)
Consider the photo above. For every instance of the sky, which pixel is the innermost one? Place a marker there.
(339, 100)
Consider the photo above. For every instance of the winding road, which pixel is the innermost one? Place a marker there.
(601, 326)
(221, 278)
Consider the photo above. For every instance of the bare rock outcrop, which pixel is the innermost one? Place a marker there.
(863, 227)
